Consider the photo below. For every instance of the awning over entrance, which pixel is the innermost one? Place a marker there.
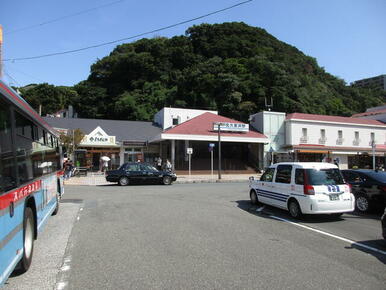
(200, 128)
(311, 148)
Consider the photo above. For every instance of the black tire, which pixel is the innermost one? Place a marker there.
(56, 210)
(28, 241)
(294, 209)
(362, 203)
(167, 180)
(254, 198)
(123, 181)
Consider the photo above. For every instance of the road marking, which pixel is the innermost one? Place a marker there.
(331, 235)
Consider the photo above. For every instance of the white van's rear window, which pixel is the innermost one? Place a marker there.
(330, 176)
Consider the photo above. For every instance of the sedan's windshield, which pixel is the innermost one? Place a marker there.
(328, 176)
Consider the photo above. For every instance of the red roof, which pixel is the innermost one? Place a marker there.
(203, 125)
(334, 119)
(370, 113)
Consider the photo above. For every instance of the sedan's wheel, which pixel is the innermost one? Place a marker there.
(253, 196)
(362, 203)
(123, 181)
(28, 241)
(167, 180)
(294, 209)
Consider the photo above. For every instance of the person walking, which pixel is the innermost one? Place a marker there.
(67, 169)
(159, 163)
(168, 166)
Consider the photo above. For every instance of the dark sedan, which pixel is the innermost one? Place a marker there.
(369, 188)
(139, 173)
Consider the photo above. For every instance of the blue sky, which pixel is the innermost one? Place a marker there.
(347, 37)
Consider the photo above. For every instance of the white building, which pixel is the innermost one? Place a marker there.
(308, 137)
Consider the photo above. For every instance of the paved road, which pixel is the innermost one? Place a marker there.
(200, 236)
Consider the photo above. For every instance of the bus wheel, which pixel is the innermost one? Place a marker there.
(57, 205)
(28, 241)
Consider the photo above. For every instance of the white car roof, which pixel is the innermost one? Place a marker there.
(307, 165)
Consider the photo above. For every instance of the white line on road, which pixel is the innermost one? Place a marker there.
(330, 235)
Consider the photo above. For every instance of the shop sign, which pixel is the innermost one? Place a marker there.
(231, 127)
(98, 137)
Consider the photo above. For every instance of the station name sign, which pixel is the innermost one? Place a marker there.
(231, 127)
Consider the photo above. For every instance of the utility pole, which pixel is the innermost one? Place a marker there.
(1, 51)
(219, 149)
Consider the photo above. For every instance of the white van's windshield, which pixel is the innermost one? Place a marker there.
(330, 176)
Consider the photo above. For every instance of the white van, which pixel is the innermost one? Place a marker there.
(303, 188)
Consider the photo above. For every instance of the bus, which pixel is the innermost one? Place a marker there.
(31, 180)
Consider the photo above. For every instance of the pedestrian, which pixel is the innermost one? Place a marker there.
(67, 169)
(168, 166)
(159, 163)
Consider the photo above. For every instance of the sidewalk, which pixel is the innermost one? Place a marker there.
(93, 179)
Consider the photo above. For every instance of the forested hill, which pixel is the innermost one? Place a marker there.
(229, 67)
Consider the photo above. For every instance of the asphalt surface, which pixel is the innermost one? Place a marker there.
(198, 236)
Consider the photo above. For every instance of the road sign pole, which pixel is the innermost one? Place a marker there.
(211, 163)
(190, 165)
(219, 151)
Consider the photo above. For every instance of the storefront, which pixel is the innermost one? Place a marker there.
(110, 142)
(241, 148)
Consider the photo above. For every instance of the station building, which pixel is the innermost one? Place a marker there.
(169, 136)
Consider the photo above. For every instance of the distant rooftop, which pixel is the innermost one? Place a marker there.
(122, 130)
(334, 119)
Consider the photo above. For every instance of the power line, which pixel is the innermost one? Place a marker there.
(9, 76)
(24, 73)
(130, 37)
(61, 18)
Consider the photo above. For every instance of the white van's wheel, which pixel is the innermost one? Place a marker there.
(254, 199)
(294, 209)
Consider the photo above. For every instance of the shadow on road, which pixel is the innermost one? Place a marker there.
(377, 244)
(266, 211)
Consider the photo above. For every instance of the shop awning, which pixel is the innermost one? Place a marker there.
(313, 151)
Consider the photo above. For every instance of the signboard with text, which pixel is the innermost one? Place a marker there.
(231, 127)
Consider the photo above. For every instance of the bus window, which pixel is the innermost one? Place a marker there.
(24, 148)
(7, 172)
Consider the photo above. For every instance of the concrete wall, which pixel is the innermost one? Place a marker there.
(165, 116)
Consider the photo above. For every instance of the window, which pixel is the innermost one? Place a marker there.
(268, 175)
(340, 134)
(299, 176)
(324, 177)
(356, 134)
(133, 167)
(283, 174)
(175, 121)
(24, 127)
(372, 137)
(304, 133)
(351, 177)
(7, 165)
(323, 133)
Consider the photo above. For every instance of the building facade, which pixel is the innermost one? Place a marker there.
(377, 82)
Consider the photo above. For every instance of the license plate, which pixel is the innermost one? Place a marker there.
(334, 196)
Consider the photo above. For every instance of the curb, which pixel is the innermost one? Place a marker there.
(176, 182)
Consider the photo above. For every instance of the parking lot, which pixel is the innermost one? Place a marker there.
(199, 236)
